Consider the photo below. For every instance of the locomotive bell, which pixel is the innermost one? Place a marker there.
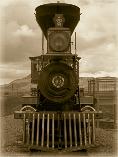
(45, 16)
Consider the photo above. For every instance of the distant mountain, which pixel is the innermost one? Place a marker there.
(17, 87)
(22, 86)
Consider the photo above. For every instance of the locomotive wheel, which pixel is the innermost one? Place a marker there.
(57, 82)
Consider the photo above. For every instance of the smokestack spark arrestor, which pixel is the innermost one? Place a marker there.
(68, 13)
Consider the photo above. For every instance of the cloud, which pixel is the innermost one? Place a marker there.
(21, 33)
(5, 2)
(10, 72)
(97, 39)
(99, 74)
(96, 36)
(24, 31)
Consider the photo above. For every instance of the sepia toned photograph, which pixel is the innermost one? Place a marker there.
(58, 78)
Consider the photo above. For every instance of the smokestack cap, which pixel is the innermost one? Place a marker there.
(45, 14)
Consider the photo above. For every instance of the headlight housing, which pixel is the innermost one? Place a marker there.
(59, 41)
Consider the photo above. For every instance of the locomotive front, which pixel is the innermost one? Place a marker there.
(58, 77)
(52, 115)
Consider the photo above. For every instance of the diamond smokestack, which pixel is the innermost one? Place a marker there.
(45, 15)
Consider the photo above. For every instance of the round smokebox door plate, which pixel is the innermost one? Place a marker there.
(58, 81)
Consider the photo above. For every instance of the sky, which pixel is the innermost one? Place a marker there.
(97, 37)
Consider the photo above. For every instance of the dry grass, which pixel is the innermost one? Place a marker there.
(11, 131)
(106, 143)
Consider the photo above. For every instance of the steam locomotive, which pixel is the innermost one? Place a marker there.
(55, 116)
